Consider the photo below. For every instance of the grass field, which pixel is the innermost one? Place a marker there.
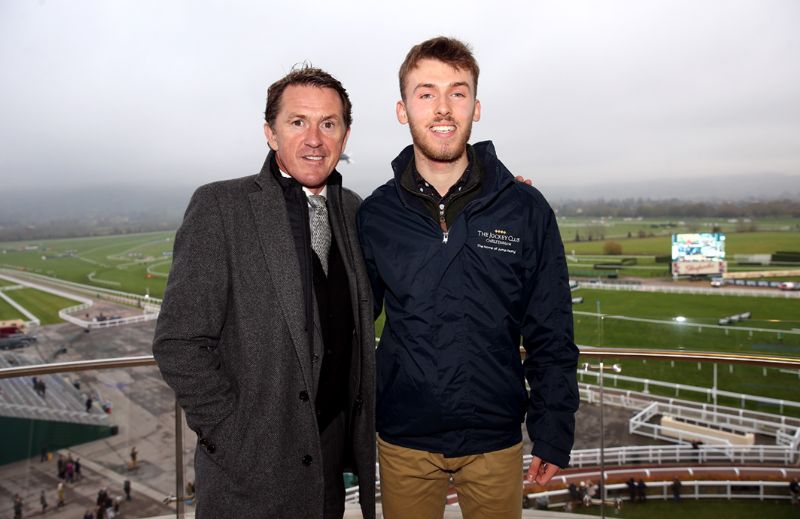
(701, 509)
(616, 228)
(736, 243)
(114, 262)
(8, 312)
(139, 263)
(41, 304)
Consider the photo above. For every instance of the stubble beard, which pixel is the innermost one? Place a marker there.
(444, 153)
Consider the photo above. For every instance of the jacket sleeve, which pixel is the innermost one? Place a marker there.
(551, 355)
(192, 316)
(378, 288)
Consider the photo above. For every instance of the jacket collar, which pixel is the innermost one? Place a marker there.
(495, 176)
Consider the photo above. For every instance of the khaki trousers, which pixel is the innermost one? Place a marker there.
(414, 483)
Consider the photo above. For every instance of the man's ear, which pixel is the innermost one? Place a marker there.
(476, 114)
(272, 138)
(402, 116)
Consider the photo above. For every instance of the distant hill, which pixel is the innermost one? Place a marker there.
(741, 187)
(52, 212)
(94, 210)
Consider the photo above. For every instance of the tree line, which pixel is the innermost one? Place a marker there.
(647, 208)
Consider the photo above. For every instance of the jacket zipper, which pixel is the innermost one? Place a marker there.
(443, 224)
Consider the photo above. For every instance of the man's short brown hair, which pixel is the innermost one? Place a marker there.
(447, 50)
(306, 75)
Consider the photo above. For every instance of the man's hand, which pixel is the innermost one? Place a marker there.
(528, 181)
(540, 471)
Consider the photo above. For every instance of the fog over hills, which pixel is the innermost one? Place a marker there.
(103, 209)
(765, 186)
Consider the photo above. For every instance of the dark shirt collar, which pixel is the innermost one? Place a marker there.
(424, 187)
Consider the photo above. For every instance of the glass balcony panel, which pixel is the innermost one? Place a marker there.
(728, 432)
(126, 432)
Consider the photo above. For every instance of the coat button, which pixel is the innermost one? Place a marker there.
(210, 447)
(307, 459)
(314, 357)
(304, 396)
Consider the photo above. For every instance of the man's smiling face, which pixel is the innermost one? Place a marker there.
(439, 106)
(309, 134)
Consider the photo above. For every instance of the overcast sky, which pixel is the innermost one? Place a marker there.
(573, 92)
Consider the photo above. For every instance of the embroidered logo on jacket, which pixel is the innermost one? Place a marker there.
(498, 240)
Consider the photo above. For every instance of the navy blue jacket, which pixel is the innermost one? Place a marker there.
(449, 376)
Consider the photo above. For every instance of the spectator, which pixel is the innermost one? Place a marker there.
(676, 489)
(134, 455)
(127, 488)
(794, 491)
(101, 497)
(78, 469)
(631, 489)
(70, 471)
(696, 448)
(62, 467)
(89, 404)
(61, 494)
(43, 501)
(17, 506)
(574, 495)
(43, 453)
(641, 490)
(88, 514)
(591, 489)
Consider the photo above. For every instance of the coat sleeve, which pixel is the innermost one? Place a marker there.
(551, 355)
(192, 316)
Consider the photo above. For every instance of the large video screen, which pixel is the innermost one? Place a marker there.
(698, 253)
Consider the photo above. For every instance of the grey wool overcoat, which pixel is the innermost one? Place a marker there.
(231, 342)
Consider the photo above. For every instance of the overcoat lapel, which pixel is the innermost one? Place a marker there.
(345, 243)
(277, 244)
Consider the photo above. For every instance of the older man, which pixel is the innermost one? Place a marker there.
(266, 333)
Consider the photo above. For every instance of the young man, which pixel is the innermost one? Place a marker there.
(466, 261)
(266, 331)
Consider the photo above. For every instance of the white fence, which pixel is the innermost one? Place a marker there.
(107, 323)
(752, 292)
(102, 293)
(150, 306)
(693, 489)
(785, 430)
(709, 393)
(659, 454)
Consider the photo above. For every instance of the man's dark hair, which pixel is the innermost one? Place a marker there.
(305, 74)
(454, 52)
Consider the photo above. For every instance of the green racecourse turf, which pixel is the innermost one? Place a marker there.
(736, 243)
(118, 262)
(8, 312)
(43, 305)
(616, 228)
(769, 313)
(701, 509)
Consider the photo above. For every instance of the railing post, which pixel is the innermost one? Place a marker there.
(178, 461)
